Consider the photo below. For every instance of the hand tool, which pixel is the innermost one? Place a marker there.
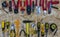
(33, 6)
(44, 7)
(49, 7)
(38, 28)
(53, 26)
(15, 6)
(27, 27)
(10, 6)
(12, 31)
(42, 30)
(28, 9)
(46, 28)
(3, 28)
(17, 26)
(38, 10)
(55, 7)
(22, 30)
(4, 4)
(22, 9)
(7, 27)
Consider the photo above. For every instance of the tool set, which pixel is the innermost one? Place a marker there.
(13, 29)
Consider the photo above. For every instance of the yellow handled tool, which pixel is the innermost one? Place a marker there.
(17, 25)
(3, 28)
(42, 29)
(27, 27)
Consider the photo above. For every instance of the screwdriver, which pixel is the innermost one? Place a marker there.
(46, 28)
(33, 6)
(38, 28)
(7, 27)
(42, 30)
(12, 31)
(3, 28)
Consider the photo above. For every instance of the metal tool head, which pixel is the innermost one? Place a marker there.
(27, 21)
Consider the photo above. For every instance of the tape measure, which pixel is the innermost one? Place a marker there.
(53, 26)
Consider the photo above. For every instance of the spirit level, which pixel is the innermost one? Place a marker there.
(27, 27)
(46, 28)
(38, 28)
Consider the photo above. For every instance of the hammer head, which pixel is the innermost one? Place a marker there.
(27, 21)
